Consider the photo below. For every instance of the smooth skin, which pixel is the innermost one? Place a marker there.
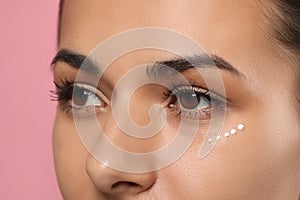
(261, 163)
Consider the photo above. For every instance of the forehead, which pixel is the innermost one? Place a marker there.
(208, 21)
(234, 29)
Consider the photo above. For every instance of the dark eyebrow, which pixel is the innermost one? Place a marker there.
(199, 61)
(77, 60)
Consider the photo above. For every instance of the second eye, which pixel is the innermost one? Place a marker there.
(193, 103)
(85, 98)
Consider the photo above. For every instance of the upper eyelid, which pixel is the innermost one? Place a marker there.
(101, 95)
(201, 90)
(179, 89)
(94, 90)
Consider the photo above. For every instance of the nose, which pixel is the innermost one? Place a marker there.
(113, 182)
(116, 183)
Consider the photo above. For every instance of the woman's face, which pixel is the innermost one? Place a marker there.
(260, 162)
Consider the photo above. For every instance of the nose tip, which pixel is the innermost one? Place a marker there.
(113, 182)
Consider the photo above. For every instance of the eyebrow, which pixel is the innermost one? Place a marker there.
(77, 60)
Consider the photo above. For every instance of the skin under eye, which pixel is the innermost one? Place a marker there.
(193, 103)
(80, 98)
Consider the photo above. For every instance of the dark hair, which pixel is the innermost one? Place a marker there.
(287, 28)
(287, 32)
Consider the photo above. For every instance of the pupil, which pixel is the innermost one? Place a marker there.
(188, 100)
(80, 96)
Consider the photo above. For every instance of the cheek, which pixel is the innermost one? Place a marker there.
(262, 162)
(70, 158)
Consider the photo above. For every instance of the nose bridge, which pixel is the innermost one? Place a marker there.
(122, 140)
(139, 106)
(126, 129)
(132, 107)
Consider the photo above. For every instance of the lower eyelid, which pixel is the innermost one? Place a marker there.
(65, 107)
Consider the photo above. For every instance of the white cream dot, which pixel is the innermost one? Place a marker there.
(218, 137)
(226, 134)
(210, 140)
(240, 126)
(232, 131)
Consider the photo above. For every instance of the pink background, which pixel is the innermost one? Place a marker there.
(27, 44)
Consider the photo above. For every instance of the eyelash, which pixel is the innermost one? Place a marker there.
(196, 113)
(63, 94)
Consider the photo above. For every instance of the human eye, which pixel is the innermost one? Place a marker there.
(193, 103)
(79, 98)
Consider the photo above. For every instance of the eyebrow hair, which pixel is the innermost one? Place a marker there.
(77, 60)
(189, 62)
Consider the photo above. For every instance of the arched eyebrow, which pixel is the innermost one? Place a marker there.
(196, 61)
(76, 60)
(86, 63)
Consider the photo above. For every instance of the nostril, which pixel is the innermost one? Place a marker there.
(125, 184)
(116, 183)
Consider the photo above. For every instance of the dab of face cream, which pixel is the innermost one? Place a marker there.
(232, 131)
(240, 126)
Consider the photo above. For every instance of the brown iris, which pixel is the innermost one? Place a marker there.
(80, 96)
(188, 100)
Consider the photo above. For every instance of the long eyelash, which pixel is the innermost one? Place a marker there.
(62, 94)
(198, 90)
(170, 97)
(214, 98)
